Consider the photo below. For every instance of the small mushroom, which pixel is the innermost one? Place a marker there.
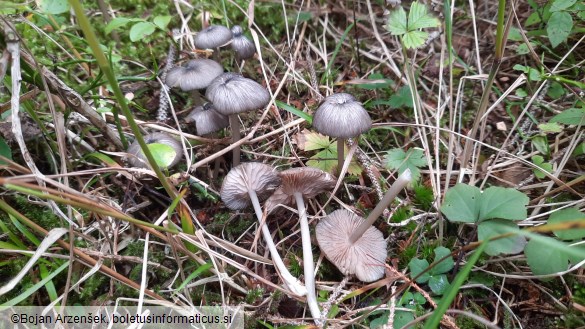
(352, 243)
(341, 116)
(213, 37)
(138, 159)
(246, 185)
(207, 122)
(196, 75)
(207, 119)
(243, 47)
(299, 183)
(231, 94)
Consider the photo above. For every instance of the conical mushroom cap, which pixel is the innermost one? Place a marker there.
(138, 159)
(366, 258)
(207, 119)
(231, 93)
(243, 47)
(212, 36)
(248, 176)
(305, 180)
(341, 116)
(196, 74)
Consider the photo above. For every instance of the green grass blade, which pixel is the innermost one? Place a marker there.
(442, 306)
(16, 300)
(295, 111)
(194, 274)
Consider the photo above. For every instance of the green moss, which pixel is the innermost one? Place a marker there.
(254, 295)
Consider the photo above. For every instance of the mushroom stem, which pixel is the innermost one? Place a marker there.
(235, 127)
(398, 185)
(216, 57)
(340, 154)
(197, 100)
(216, 162)
(289, 280)
(308, 265)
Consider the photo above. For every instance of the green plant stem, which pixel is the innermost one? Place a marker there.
(107, 69)
(398, 185)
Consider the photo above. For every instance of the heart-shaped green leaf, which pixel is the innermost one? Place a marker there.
(496, 227)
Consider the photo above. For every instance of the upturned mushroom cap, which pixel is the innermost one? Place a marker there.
(207, 119)
(138, 159)
(261, 178)
(243, 47)
(365, 258)
(212, 36)
(196, 74)
(305, 180)
(341, 116)
(231, 93)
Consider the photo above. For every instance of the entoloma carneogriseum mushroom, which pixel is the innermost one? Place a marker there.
(213, 37)
(195, 75)
(297, 184)
(208, 121)
(231, 94)
(137, 158)
(246, 185)
(352, 243)
(341, 116)
(243, 47)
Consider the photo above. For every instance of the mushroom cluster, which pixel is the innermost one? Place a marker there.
(353, 244)
(350, 242)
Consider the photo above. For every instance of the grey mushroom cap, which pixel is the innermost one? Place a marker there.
(231, 93)
(366, 258)
(305, 180)
(196, 74)
(243, 47)
(341, 116)
(137, 157)
(207, 119)
(213, 36)
(255, 176)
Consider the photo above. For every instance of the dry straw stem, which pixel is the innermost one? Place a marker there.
(83, 257)
(13, 47)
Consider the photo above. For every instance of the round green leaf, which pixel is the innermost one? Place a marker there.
(417, 266)
(559, 27)
(141, 30)
(504, 203)
(401, 318)
(439, 283)
(163, 154)
(572, 116)
(559, 5)
(461, 203)
(495, 227)
(54, 7)
(543, 259)
(162, 21)
(566, 216)
(444, 266)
